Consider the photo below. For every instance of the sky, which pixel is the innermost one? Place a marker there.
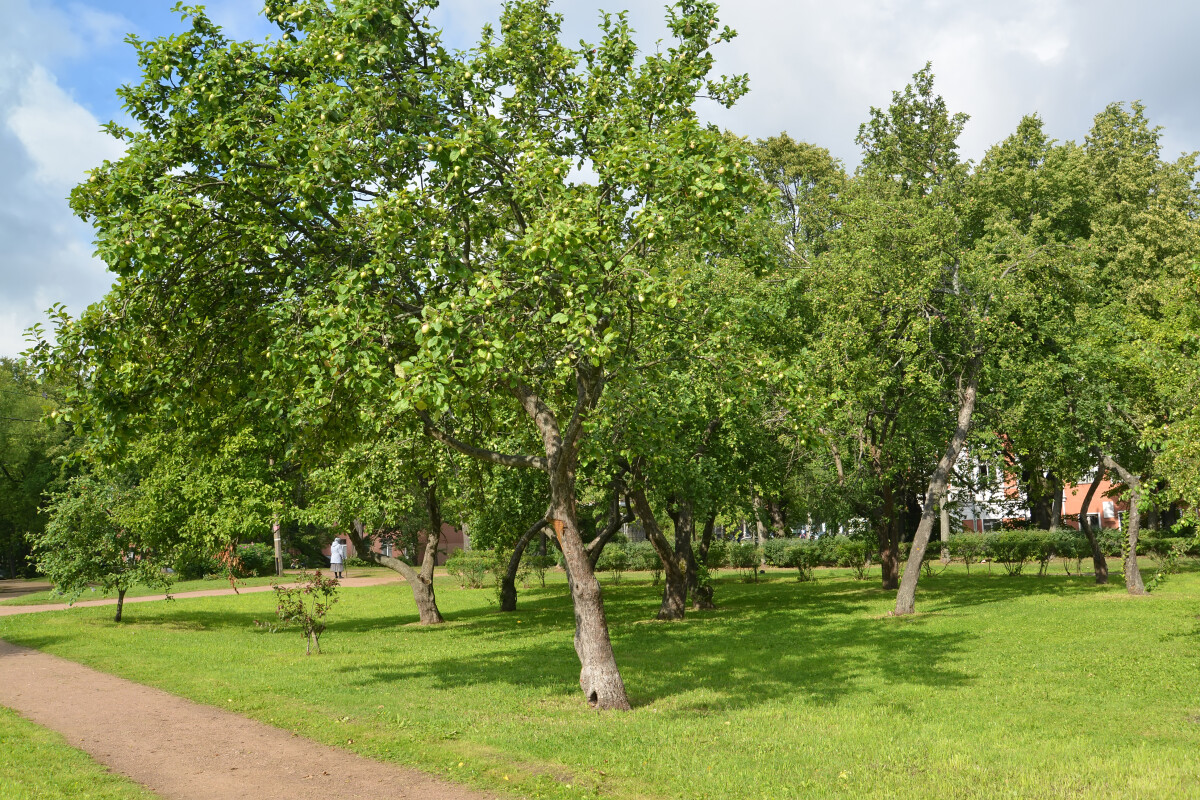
(816, 67)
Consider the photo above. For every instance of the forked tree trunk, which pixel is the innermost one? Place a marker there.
(906, 598)
(508, 584)
(1099, 563)
(421, 582)
(120, 604)
(674, 600)
(1133, 575)
(702, 596)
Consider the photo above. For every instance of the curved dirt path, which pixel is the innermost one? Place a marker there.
(187, 751)
(349, 583)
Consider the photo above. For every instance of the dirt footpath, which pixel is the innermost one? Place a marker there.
(186, 751)
(7, 611)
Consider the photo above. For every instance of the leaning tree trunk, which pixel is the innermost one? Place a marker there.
(1099, 563)
(906, 598)
(1133, 575)
(120, 604)
(702, 596)
(420, 581)
(674, 567)
(508, 583)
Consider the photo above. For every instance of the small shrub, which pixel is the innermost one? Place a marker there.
(853, 553)
(305, 604)
(745, 557)
(470, 567)
(775, 552)
(537, 564)
(1013, 549)
(644, 558)
(804, 555)
(969, 548)
(718, 554)
(357, 563)
(615, 559)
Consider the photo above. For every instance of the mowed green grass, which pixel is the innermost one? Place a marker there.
(179, 587)
(1002, 686)
(37, 764)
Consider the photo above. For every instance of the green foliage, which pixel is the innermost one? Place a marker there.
(615, 559)
(644, 558)
(1013, 549)
(191, 565)
(745, 557)
(87, 541)
(305, 604)
(257, 560)
(853, 553)
(775, 552)
(471, 567)
(804, 555)
(718, 554)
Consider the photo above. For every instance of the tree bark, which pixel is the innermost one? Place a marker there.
(702, 596)
(778, 515)
(1099, 563)
(907, 596)
(508, 584)
(944, 519)
(1133, 575)
(674, 567)
(887, 535)
(1056, 505)
(120, 604)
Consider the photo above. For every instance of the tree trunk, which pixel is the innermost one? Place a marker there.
(1133, 575)
(674, 567)
(422, 588)
(120, 604)
(1099, 563)
(598, 677)
(702, 596)
(684, 518)
(888, 537)
(1056, 505)
(907, 596)
(944, 519)
(778, 515)
(508, 584)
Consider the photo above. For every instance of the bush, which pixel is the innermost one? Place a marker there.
(853, 553)
(1013, 549)
(537, 564)
(257, 560)
(775, 552)
(305, 604)
(718, 555)
(615, 559)
(355, 561)
(470, 567)
(192, 566)
(969, 548)
(745, 557)
(804, 555)
(644, 558)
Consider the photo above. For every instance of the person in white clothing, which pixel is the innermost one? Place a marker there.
(337, 557)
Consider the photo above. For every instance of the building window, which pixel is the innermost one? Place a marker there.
(386, 548)
(1094, 520)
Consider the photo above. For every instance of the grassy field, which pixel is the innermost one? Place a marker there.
(1002, 687)
(36, 764)
(37, 598)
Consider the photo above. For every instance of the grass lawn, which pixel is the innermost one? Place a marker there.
(1002, 687)
(38, 598)
(36, 764)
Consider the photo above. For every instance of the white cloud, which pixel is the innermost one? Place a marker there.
(47, 143)
(60, 137)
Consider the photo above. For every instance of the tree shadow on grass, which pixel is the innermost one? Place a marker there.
(769, 642)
